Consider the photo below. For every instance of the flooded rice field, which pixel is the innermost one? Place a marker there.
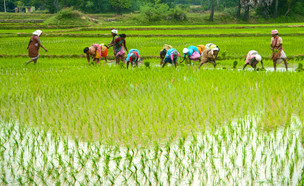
(237, 153)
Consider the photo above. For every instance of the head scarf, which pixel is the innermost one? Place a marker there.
(185, 51)
(258, 57)
(114, 31)
(175, 53)
(274, 31)
(214, 49)
(37, 33)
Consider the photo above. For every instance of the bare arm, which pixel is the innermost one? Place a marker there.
(262, 64)
(126, 46)
(88, 57)
(39, 43)
(28, 44)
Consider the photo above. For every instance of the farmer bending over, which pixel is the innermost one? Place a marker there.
(209, 56)
(163, 52)
(171, 57)
(191, 53)
(253, 58)
(96, 51)
(133, 57)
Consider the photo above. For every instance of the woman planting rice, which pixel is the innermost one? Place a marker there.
(191, 53)
(278, 54)
(171, 57)
(96, 51)
(119, 45)
(133, 57)
(163, 52)
(209, 56)
(33, 47)
(253, 58)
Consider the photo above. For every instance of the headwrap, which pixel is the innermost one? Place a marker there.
(258, 57)
(274, 31)
(175, 53)
(185, 51)
(214, 49)
(114, 31)
(37, 33)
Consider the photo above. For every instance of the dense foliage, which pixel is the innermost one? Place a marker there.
(241, 8)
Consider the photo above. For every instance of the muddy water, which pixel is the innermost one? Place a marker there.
(238, 153)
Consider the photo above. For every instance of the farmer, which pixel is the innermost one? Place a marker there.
(119, 45)
(171, 57)
(253, 58)
(96, 51)
(210, 56)
(114, 34)
(163, 52)
(278, 54)
(191, 53)
(201, 49)
(133, 57)
(33, 47)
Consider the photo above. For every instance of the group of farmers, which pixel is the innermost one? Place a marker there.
(205, 53)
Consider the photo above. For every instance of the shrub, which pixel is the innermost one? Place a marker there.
(161, 12)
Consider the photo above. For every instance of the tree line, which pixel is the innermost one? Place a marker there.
(263, 8)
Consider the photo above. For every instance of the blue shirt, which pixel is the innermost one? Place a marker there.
(191, 50)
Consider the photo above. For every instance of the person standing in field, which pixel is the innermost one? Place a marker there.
(191, 53)
(163, 52)
(96, 51)
(119, 45)
(171, 57)
(133, 57)
(209, 56)
(114, 35)
(33, 47)
(278, 54)
(253, 58)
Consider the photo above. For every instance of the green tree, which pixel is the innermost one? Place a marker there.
(119, 5)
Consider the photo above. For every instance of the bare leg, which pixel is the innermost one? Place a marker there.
(30, 61)
(117, 60)
(106, 60)
(285, 62)
(245, 66)
(275, 64)
(128, 64)
(123, 59)
(164, 64)
(201, 64)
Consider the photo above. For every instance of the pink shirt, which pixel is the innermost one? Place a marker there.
(251, 54)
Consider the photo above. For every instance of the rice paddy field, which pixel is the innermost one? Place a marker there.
(64, 122)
